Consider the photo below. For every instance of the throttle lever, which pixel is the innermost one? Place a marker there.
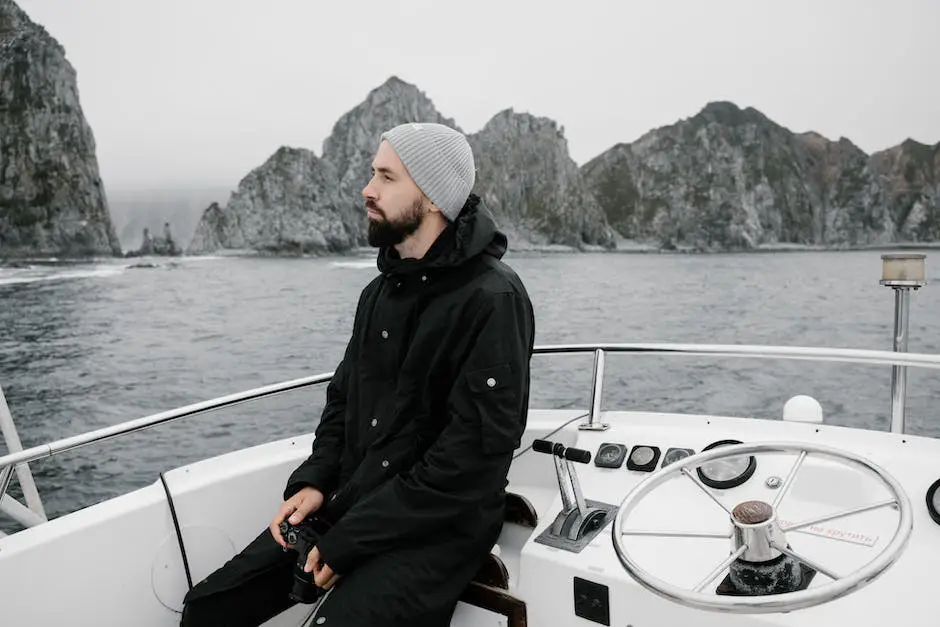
(576, 518)
(578, 455)
(569, 497)
(557, 448)
(572, 498)
(543, 446)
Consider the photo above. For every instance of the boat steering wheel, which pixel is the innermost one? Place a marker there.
(756, 536)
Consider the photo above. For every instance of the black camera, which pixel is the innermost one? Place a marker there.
(302, 538)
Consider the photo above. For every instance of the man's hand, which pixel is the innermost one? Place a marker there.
(323, 575)
(298, 507)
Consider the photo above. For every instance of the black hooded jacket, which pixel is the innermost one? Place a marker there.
(429, 401)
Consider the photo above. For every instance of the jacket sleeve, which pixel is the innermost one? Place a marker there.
(321, 469)
(469, 461)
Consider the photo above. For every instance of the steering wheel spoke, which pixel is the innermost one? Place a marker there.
(705, 489)
(788, 483)
(675, 534)
(722, 567)
(765, 573)
(847, 512)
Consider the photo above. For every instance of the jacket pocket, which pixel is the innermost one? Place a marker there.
(493, 393)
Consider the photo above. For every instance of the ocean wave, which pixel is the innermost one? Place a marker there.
(187, 258)
(32, 274)
(361, 265)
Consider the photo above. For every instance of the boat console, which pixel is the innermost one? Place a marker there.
(694, 520)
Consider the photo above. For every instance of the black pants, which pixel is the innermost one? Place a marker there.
(415, 586)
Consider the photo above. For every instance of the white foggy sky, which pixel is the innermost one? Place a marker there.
(195, 93)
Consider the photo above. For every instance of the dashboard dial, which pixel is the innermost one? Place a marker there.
(610, 455)
(729, 472)
(643, 458)
(675, 454)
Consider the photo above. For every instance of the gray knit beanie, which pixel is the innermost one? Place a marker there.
(440, 161)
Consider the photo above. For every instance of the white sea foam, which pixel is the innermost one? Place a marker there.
(32, 274)
(361, 265)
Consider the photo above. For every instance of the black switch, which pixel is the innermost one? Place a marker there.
(591, 601)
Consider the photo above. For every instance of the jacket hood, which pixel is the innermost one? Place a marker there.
(471, 234)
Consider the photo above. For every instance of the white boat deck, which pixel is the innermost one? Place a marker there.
(118, 562)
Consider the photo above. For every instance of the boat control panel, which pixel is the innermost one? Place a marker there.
(837, 517)
(580, 520)
(645, 457)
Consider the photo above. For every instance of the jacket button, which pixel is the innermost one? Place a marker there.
(491, 382)
(374, 422)
(424, 277)
(384, 463)
(384, 334)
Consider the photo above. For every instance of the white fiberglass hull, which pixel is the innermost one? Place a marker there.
(118, 562)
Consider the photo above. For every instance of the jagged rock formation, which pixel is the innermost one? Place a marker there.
(724, 179)
(132, 211)
(52, 200)
(162, 246)
(216, 229)
(731, 179)
(332, 219)
(289, 205)
(848, 207)
(356, 135)
(910, 173)
(533, 187)
(526, 175)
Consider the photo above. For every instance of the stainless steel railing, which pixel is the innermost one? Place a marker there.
(899, 360)
(28, 516)
(593, 422)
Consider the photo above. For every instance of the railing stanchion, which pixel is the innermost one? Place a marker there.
(902, 272)
(593, 422)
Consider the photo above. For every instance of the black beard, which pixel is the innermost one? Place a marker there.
(386, 232)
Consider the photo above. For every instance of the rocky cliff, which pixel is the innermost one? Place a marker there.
(533, 187)
(731, 179)
(910, 174)
(52, 200)
(525, 174)
(355, 137)
(724, 179)
(291, 204)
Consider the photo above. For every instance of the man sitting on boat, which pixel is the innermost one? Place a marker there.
(410, 462)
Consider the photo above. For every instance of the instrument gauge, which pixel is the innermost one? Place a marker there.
(675, 454)
(610, 455)
(727, 473)
(643, 458)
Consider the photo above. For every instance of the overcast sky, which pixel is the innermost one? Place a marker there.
(198, 92)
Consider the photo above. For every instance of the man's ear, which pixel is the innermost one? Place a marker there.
(429, 205)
